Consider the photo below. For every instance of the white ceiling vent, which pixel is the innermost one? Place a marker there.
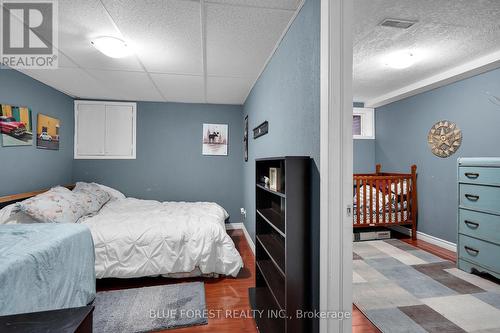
(395, 23)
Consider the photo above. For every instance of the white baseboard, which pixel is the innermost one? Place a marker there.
(428, 238)
(234, 226)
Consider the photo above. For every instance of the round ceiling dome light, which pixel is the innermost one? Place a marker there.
(400, 59)
(112, 47)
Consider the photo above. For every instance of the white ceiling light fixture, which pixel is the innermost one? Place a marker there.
(112, 47)
(401, 59)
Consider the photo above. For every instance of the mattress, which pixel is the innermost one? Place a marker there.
(136, 238)
(45, 267)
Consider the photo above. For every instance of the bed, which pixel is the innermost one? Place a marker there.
(385, 199)
(45, 267)
(137, 238)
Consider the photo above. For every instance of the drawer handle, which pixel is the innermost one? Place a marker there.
(472, 175)
(471, 250)
(475, 225)
(472, 197)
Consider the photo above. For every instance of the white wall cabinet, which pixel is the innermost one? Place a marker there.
(105, 130)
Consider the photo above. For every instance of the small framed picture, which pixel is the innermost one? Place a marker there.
(47, 134)
(274, 179)
(215, 139)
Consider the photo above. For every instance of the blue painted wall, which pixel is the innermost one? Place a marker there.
(288, 96)
(364, 151)
(25, 168)
(401, 140)
(364, 156)
(169, 164)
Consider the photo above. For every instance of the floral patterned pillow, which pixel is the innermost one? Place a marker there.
(57, 205)
(91, 196)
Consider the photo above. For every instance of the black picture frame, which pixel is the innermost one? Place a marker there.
(245, 140)
(261, 130)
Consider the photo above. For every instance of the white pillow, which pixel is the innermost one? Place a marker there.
(91, 196)
(57, 205)
(115, 194)
(11, 214)
(7, 212)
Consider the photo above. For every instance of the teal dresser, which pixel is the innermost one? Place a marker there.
(478, 245)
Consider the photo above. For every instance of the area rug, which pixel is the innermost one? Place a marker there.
(400, 288)
(150, 309)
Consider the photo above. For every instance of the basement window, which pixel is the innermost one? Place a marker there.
(363, 123)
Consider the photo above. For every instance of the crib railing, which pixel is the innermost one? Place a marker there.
(385, 199)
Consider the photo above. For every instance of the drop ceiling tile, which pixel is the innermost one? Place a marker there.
(130, 86)
(166, 33)
(278, 4)
(79, 23)
(72, 81)
(181, 88)
(227, 90)
(240, 39)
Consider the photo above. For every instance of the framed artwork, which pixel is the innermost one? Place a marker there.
(274, 179)
(47, 134)
(261, 130)
(245, 139)
(215, 139)
(16, 125)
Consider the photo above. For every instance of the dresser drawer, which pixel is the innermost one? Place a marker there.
(480, 252)
(479, 175)
(479, 225)
(479, 197)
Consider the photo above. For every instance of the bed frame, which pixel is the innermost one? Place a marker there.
(13, 198)
(364, 218)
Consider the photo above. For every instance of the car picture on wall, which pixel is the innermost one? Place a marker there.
(47, 134)
(15, 125)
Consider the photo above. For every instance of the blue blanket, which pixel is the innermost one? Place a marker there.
(45, 267)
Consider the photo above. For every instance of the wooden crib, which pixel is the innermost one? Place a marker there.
(385, 199)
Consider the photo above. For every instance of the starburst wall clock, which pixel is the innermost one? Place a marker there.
(444, 138)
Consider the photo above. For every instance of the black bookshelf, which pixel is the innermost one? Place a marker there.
(282, 249)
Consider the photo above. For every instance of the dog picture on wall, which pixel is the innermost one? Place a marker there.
(215, 139)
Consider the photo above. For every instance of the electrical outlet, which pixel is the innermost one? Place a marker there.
(243, 212)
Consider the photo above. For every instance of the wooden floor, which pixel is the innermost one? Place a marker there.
(361, 324)
(223, 293)
(232, 293)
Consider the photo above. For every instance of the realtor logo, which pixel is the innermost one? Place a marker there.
(29, 34)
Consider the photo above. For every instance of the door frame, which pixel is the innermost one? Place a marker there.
(336, 163)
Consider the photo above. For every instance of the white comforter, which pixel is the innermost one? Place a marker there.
(135, 238)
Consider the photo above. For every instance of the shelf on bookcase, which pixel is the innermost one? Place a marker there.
(275, 249)
(274, 280)
(265, 188)
(263, 296)
(274, 218)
